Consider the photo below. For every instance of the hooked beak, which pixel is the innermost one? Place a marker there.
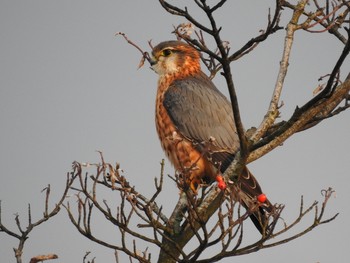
(153, 61)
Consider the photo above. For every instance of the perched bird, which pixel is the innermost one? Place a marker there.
(195, 124)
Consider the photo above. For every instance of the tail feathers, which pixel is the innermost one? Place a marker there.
(249, 190)
(260, 220)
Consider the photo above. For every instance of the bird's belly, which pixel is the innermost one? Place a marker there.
(181, 152)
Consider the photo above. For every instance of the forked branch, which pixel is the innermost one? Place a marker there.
(223, 230)
(23, 234)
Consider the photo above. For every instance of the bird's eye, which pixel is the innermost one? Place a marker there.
(166, 52)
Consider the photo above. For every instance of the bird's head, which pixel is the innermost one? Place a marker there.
(175, 57)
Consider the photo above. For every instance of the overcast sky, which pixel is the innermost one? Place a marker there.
(69, 87)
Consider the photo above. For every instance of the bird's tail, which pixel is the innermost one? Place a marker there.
(248, 192)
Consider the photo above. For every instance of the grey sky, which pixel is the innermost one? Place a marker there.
(69, 87)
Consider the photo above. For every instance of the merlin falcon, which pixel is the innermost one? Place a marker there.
(195, 124)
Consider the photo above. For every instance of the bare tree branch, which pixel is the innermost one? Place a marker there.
(42, 258)
(299, 120)
(23, 235)
(273, 112)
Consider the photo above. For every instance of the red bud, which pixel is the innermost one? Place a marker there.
(262, 198)
(219, 178)
(222, 185)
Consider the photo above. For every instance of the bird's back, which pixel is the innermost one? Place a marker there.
(203, 115)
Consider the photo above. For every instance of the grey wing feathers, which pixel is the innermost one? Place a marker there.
(201, 111)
